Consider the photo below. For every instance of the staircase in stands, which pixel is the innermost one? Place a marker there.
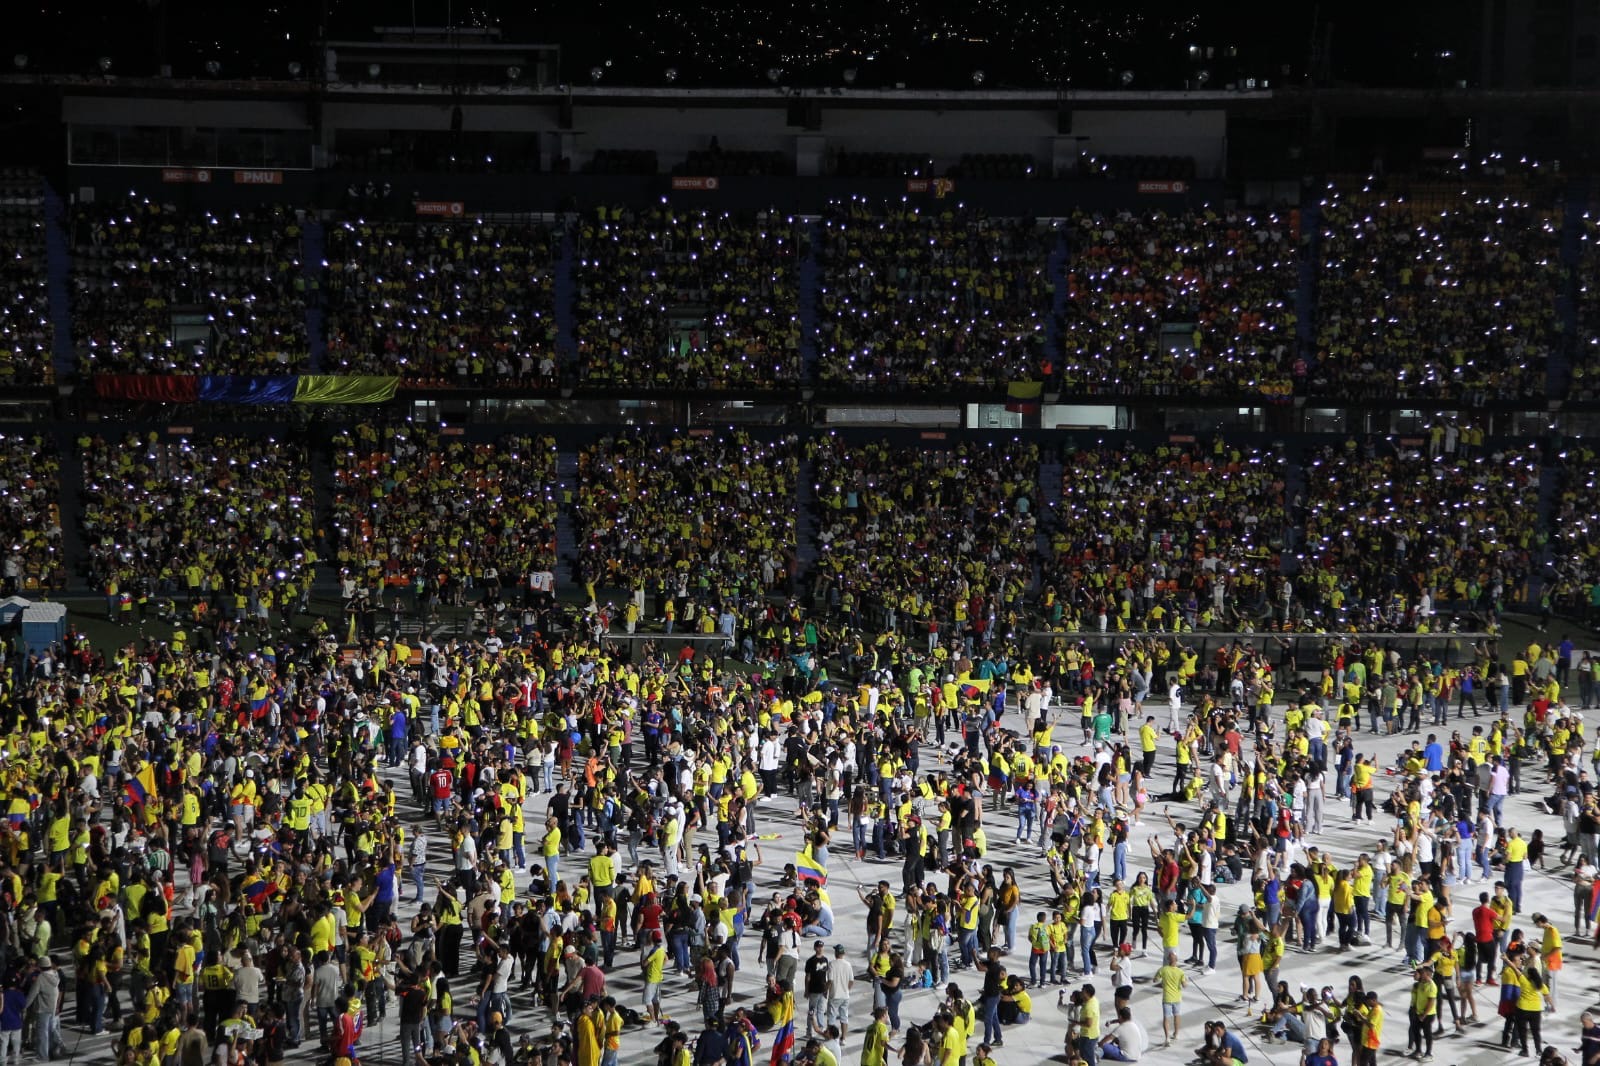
(1047, 506)
(566, 296)
(1056, 269)
(809, 279)
(313, 257)
(73, 547)
(1305, 293)
(566, 532)
(806, 524)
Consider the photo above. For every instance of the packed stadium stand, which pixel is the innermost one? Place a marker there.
(1385, 527)
(1236, 371)
(925, 534)
(437, 515)
(1165, 537)
(461, 301)
(230, 517)
(717, 515)
(471, 499)
(25, 331)
(1583, 382)
(30, 516)
(1195, 302)
(162, 290)
(1449, 299)
(931, 298)
(687, 299)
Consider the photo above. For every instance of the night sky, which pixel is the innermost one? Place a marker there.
(936, 43)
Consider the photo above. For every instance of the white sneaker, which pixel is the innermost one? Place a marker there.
(1209, 971)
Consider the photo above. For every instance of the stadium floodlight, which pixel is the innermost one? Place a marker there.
(19, 61)
(105, 64)
(1127, 78)
(514, 72)
(213, 68)
(596, 73)
(977, 79)
(849, 75)
(373, 70)
(672, 75)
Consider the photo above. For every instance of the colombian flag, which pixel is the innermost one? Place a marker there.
(257, 892)
(783, 1034)
(1022, 397)
(141, 786)
(807, 868)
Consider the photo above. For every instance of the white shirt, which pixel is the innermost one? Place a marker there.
(1131, 1039)
(841, 975)
(502, 974)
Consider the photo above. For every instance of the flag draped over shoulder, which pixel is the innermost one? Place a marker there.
(141, 786)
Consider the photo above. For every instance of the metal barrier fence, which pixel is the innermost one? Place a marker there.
(1310, 651)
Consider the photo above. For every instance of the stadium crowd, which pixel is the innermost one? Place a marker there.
(138, 267)
(687, 299)
(1584, 382)
(936, 298)
(1439, 302)
(1572, 582)
(443, 302)
(225, 523)
(1177, 536)
(25, 356)
(430, 517)
(1392, 534)
(31, 558)
(268, 846)
(1181, 303)
(687, 519)
(542, 843)
(928, 536)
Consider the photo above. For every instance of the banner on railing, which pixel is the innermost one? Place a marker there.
(940, 187)
(245, 388)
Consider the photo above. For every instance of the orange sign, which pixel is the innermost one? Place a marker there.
(258, 177)
(184, 175)
(940, 187)
(696, 184)
(441, 208)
